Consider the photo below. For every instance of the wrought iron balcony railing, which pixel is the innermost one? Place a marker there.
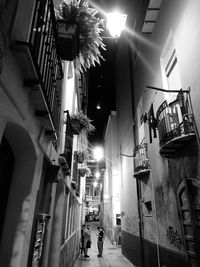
(35, 50)
(175, 123)
(141, 160)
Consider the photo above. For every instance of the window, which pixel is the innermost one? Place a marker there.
(141, 133)
(87, 191)
(170, 69)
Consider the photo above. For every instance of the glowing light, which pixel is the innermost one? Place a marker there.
(98, 153)
(97, 175)
(95, 183)
(106, 196)
(98, 106)
(116, 23)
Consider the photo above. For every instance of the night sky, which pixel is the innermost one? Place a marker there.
(102, 91)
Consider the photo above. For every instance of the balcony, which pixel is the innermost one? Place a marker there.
(141, 161)
(34, 47)
(175, 125)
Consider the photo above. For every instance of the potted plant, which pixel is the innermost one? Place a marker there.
(85, 170)
(82, 156)
(51, 174)
(79, 33)
(79, 122)
(73, 184)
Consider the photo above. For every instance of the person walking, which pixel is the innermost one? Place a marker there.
(100, 239)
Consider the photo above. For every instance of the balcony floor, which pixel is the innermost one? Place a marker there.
(172, 146)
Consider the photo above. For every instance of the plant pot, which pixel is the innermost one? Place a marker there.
(51, 174)
(77, 193)
(73, 184)
(80, 158)
(68, 41)
(76, 126)
(82, 173)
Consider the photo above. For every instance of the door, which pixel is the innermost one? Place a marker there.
(6, 169)
(141, 221)
(189, 207)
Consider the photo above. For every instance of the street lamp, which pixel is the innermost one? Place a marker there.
(97, 174)
(95, 183)
(116, 23)
(98, 153)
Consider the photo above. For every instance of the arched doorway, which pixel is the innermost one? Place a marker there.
(188, 193)
(6, 169)
(17, 169)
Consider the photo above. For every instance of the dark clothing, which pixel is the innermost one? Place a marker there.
(88, 244)
(100, 247)
(82, 242)
(100, 239)
(100, 235)
(152, 123)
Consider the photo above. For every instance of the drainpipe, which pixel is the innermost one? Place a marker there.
(131, 68)
(156, 221)
(140, 223)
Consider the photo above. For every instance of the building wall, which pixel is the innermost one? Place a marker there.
(22, 132)
(179, 19)
(29, 193)
(129, 211)
(112, 180)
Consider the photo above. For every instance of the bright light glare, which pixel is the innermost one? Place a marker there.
(106, 196)
(98, 106)
(116, 23)
(97, 175)
(95, 183)
(98, 153)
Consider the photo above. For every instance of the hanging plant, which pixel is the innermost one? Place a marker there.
(85, 170)
(82, 156)
(78, 21)
(80, 121)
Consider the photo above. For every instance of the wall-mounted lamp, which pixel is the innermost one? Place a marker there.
(116, 23)
(98, 153)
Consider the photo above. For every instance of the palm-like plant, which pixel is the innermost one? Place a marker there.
(79, 13)
(84, 121)
(85, 170)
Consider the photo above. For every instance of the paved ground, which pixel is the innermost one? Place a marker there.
(112, 256)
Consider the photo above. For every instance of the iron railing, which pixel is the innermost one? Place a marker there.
(141, 159)
(43, 40)
(46, 73)
(175, 119)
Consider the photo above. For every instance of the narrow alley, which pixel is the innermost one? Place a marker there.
(100, 126)
(112, 256)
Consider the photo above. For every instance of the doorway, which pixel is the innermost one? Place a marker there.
(189, 207)
(6, 169)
